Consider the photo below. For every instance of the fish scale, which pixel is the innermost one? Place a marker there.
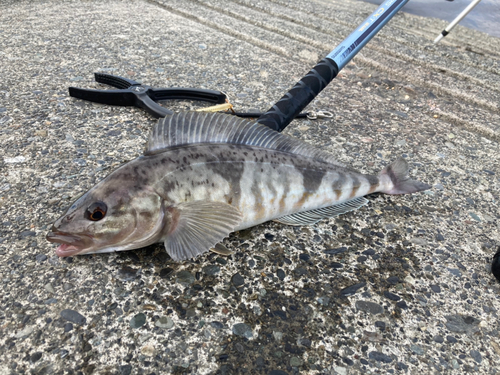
(204, 176)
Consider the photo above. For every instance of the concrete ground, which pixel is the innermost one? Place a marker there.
(399, 286)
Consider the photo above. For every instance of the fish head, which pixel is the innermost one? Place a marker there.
(105, 220)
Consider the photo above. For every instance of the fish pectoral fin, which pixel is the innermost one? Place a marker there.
(221, 250)
(198, 226)
(313, 216)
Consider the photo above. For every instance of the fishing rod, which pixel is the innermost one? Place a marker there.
(455, 22)
(304, 91)
(130, 92)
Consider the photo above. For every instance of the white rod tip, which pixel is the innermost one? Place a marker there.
(440, 36)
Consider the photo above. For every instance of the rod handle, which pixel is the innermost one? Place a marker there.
(304, 91)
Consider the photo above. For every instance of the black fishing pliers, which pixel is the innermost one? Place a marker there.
(132, 93)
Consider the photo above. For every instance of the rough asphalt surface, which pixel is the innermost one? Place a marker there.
(399, 286)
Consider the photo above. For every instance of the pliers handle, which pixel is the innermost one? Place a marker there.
(132, 93)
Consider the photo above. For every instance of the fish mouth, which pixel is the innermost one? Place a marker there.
(70, 244)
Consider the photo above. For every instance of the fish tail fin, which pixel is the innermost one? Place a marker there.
(397, 180)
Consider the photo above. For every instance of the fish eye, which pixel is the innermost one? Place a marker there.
(96, 211)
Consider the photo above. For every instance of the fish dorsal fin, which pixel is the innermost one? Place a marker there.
(197, 226)
(313, 216)
(187, 128)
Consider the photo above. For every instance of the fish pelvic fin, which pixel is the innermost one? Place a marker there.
(196, 227)
(313, 216)
(398, 180)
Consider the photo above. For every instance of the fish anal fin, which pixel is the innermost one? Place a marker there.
(313, 216)
(196, 227)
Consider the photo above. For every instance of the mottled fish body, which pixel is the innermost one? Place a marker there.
(204, 176)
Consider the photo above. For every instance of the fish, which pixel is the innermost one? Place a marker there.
(205, 175)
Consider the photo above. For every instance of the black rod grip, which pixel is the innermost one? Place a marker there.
(304, 91)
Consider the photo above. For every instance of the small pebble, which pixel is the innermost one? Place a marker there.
(438, 339)
(392, 296)
(138, 320)
(305, 342)
(281, 274)
(243, 330)
(125, 369)
(148, 350)
(370, 307)
(269, 236)
(49, 288)
(305, 257)
(24, 332)
(393, 280)
(237, 280)
(476, 355)
(455, 272)
(324, 301)
(79, 161)
(164, 322)
(35, 356)
(401, 366)
(436, 288)
(127, 273)
(41, 258)
(185, 278)
(295, 362)
(351, 290)
(402, 304)
(211, 270)
(417, 350)
(336, 251)
(474, 216)
(459, 324)
(348, 361)
(369, 252)
(73, 316)
(217, 325)
(165, 273)
(380, 357)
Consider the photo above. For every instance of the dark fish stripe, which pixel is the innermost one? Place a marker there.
(374, 182)
(338, 184)
(312, 179)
